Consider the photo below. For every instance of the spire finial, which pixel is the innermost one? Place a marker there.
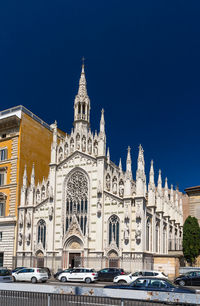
(83, 63)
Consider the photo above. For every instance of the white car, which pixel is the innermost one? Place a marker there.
(33, 275)
(79, 275)
(129, 278)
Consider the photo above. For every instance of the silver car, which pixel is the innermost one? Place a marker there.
(33, 275)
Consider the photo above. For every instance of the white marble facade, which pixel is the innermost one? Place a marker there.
(92, 208)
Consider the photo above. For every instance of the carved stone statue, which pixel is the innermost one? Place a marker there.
(126, 232)
(114, 185)
(95, 149)
(28, 219)
(66, 149)
(99, 206)
(78, 142)
(83, 144)
(20, 238)
(50, 212)
(108, 182)
(89, 146)
(121, 189)
(72, 146)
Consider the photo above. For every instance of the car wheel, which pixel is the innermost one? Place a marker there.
(122, 282)
(33, 280)
(182, 283)
(44, 281)
(88, 280)
(14, 279)
(63, 279)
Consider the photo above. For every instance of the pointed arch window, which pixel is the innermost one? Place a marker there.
(164, 238)
(148, 234)
(42, 233)
(114, 230)
(77, 200)
(157, 236)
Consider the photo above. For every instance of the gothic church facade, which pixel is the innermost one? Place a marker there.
(88, 211)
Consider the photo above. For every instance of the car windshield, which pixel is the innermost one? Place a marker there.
(42, 270)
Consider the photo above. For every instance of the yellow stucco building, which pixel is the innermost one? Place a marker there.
(24, 139)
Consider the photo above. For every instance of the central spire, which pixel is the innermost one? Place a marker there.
(82, 103)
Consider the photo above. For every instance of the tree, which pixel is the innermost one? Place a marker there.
(191, 239)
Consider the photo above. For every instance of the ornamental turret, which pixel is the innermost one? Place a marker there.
(102, 136)
(24, 188)
(151, 187)
(128, 175)
(82, 105)
(140, 174)
(166, 199)
(31, 189)
(159, 194)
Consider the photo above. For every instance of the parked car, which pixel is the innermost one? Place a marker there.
(152, 284)
(5, 276)
(17, 269)
(33, 275)
(79, 275)
(48, 271)
(128, 278)
(108, 274)
(191, 278)
(61, 271)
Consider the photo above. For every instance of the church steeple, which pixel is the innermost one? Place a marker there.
(82, 103)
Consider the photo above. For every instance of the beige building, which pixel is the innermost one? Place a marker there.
(192, 203)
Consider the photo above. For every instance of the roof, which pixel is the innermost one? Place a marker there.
(192, 189)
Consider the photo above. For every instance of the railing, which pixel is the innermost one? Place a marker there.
(20, 298)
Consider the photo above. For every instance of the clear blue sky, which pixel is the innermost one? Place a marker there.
(142, 67)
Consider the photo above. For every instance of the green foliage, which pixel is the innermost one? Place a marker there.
(191, 239)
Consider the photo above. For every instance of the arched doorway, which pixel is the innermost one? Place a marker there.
(113, 259)
(40, 259)
(73, 252)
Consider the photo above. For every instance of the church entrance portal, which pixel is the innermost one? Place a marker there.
(40, 260)
(73, 259)
(113, 260)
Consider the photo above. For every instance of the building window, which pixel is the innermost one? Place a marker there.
(164, 238)
(1, 236)
(2, 176)
(1, 259)
(3, 154)
(2, 209)
(77, 200)
(114, 230)
(42, 232)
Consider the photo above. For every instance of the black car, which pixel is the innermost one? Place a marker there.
(48, 271)
(108, 274)
(191, 278)
(153, 284)
(61, 271)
